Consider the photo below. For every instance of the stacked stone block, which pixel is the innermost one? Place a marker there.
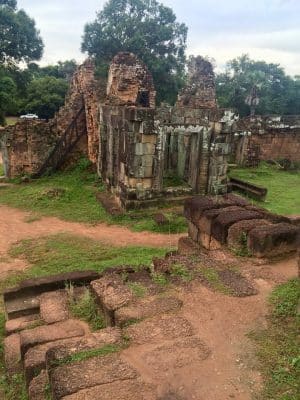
(215, 222)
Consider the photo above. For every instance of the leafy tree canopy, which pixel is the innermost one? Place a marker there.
(45, 96)
(20, 41)
(277, 92)
(7, 94)
(147, 29)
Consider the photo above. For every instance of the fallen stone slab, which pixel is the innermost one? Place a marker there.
(134, 389)
(226, 219)
(38, 387)
(273, 240)
(22, 306)
(35, 358)
(237, 233)
(12, 354)
(50, 333)
(49, 283)
(111, 294)
(146, 308)
(54, 306)
(71, 378)
(19, 324)
(159, 328)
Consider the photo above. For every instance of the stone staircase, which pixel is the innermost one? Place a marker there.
(61, 358)
(74, 132)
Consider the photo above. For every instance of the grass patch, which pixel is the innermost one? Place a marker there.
(11, 120)
(65, 253)
(85, 309)
(137, 289)
(213, 279)
(278, 346)
(181, 271)
(159, 279)
(1, 170)
(86, 354)
(283, 187)
(71, 196)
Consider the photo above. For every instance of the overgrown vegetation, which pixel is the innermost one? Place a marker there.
(71, 195)
(278, 346)
(283, 187)
(85, 309)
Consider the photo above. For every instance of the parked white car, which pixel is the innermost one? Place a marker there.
(29, 116)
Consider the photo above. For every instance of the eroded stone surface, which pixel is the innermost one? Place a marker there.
(12, 354)
(163, 327)
(50, 333)
(133, 389)
(38, 386)
(68, 379)
(35, 358)
(54, 306)
(145, 308)
(19, 324)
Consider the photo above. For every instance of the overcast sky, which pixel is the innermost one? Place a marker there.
(221, 29)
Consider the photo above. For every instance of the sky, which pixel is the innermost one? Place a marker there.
(221, 29)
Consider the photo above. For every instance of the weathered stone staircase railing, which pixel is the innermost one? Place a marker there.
(63, 147)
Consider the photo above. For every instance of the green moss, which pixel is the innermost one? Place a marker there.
(283, 187)
(212, 277)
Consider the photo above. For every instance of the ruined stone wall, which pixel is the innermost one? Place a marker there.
(267, 138)
(25, 145)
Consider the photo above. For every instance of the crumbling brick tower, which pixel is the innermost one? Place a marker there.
(127, 150)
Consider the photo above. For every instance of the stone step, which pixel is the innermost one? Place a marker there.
(158, 329)
(134, 389)
(54, 306)
(71, 378)
(35, 358)
(50, 333)
(22, 306)
(38, 386)
(12, 354)
(111, 294)
(146, 308)
(19, 324)
(33, 287)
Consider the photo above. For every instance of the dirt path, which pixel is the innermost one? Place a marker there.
(13, 227)
(221, 323)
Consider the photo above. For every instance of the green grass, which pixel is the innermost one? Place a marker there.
(283, 187)
(278, 346)
(11, 120)
(85, 309)
(213, 279)
(1, 170)
(137, 289)
(71, 196)
(86, 354)
(181, 271)
(65, 253)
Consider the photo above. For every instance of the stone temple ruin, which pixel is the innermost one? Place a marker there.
(136, 146)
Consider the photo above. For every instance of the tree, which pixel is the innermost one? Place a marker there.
(7, 94)
(20, 41)
(146, 28)
(45, 96)
(277, 92)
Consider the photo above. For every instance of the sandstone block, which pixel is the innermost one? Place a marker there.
(19, 324)
(159, 328)
(37, 387)
(71, 378)
(273, 240)
(134, 389)
(111, 294)
(50, 333)
(225, 219)
(146, 308)
(54, 307)
(35, 358)
(237, 233)
(12, 354)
